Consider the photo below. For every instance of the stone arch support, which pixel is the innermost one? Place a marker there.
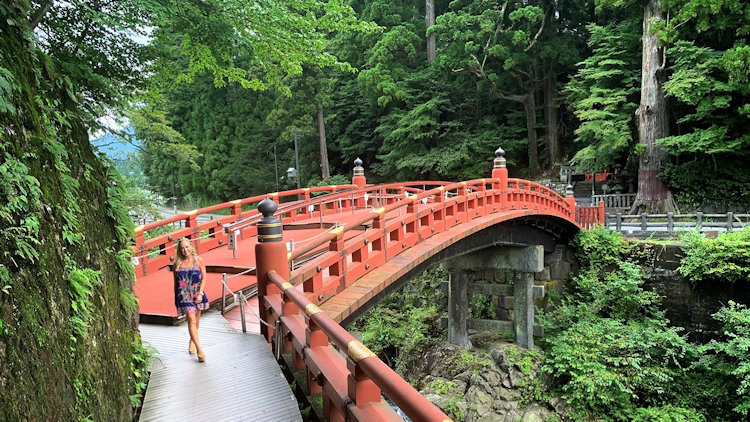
(523, 261)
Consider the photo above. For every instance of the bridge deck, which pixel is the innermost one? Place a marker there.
(239, 381)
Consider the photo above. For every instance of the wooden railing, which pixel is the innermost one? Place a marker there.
(156, 253)
(670, 222)
(352, 384)
(587, 217)
(622, 201)
(351, 259)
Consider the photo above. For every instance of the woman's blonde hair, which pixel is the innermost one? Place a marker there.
(178, 256)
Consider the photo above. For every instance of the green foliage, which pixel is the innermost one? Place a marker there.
(727, 358)
(104, 58)
(335, 180)
(604, 94)
(600, 248)
(726, 258)
(81, 284)
(391, 333)
(442, 386)
(707, 181)
(129, 300)
(717, 123)
(139, 371)
(21, 196)
(481, 307)
(454, 411)
(609, 348)
(405, 321)
(667, 413)
(474, 361)
(281, 38)
(526, 360)
(7, 86)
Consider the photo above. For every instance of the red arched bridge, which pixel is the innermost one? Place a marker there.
(320, 257)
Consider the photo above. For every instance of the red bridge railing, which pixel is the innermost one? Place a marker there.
(416, 211)
(422, 215)
(351, 384)
(156, 253)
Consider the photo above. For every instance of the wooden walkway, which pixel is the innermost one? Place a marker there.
(240, 380)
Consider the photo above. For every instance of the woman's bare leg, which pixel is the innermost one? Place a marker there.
(191, 345)
(193, 330)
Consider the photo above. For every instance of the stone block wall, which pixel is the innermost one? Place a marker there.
(559, 266)
(686, 304)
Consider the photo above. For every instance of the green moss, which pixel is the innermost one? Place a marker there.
(474, 361)
(442, 386)
(68, 319)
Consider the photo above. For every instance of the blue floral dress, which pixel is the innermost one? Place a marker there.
(187, 286)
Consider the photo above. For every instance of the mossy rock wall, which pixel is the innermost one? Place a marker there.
(687, 304)
(66, 350)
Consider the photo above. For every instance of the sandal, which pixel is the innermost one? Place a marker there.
(191, 348)
(201, 356)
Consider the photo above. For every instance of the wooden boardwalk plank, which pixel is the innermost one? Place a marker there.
(240, 380)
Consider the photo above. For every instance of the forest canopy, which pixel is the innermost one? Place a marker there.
(218, 91)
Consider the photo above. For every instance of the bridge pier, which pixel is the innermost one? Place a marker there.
(523, 261)
(458, 309)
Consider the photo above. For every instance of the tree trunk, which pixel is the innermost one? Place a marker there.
(551, 117)
(529, 106)
(653, 195)
(324, 172)
(429, 17)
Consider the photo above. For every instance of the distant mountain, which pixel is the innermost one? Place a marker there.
(115, 148)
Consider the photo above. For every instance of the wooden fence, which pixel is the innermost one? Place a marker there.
(670, 222)
(613, 202)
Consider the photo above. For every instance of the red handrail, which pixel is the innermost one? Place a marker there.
(346, 261)
(151, 261)
(361, 364)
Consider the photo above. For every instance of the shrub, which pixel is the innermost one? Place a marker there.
(609, 347)
(725, 258)
(600, 248)
(667, 413)
(406, 320)
(728, 359)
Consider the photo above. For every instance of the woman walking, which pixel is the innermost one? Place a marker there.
(189, 297)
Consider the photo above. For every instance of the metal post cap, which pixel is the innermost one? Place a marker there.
(358, 170)
(267, 207)
(269, 227)
(499, 161)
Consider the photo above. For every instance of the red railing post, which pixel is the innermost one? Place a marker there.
(270, 254)
(601, 213)
(194, 236)
(360, 388)
(236, 207)
(140, 249)
(499, 171)
(314, 337)
(359, 181)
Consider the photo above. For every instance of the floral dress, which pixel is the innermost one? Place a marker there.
(186, 290)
